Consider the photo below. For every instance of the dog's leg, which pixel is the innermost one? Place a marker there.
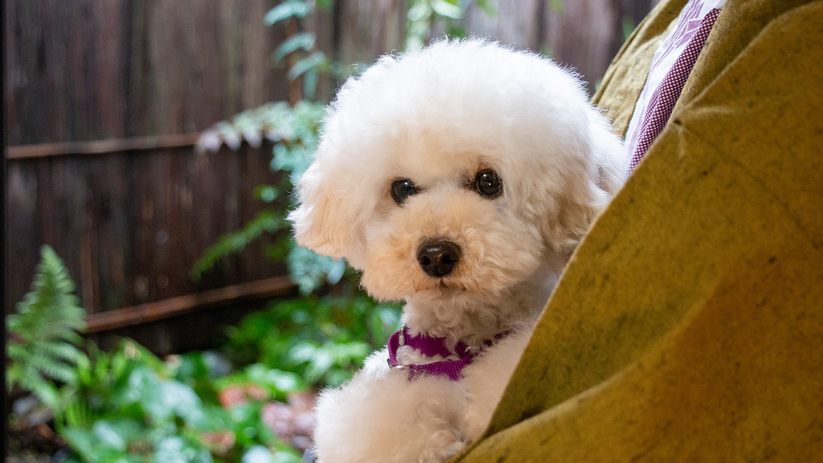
(381, 416)
(486, 379)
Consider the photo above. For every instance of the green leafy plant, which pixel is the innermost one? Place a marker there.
(423, 16)
(127, 405)
(308, 62)
(323, 340)
(44, 344)
(295, 131)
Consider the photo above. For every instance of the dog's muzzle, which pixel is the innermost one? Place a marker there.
(438, 258)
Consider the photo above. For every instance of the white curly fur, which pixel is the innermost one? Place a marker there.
(438, 116)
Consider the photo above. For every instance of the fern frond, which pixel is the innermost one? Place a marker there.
(50, 311)
(17, 353)
(77, 412)
(41, 388)
(48, 366)
(62, 350)
(45, 347)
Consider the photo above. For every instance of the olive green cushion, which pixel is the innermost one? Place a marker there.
(688, 325)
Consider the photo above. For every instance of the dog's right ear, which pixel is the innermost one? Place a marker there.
(319, 222)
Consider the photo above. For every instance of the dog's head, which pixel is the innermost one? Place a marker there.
(456, 170)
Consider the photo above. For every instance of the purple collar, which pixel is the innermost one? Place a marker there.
(431, 346)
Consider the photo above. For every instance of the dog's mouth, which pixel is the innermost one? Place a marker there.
(442, 287)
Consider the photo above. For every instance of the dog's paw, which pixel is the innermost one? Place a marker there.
(382, 417)
(443, 445)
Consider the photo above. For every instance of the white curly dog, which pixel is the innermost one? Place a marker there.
(458, 178)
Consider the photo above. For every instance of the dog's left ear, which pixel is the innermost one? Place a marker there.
(591, 183)
(320, 222)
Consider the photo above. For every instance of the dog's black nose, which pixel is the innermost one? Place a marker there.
(438, 258)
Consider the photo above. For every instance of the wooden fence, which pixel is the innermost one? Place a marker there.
(104, 99)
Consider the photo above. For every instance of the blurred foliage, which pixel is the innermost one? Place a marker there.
(128, 405)
(295, 131)
(557, 6)
(43, 342)
(322, 340)
(424, 15)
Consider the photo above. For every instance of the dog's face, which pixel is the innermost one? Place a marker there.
(456, 172)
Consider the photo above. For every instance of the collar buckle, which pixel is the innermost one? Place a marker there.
(399, 366)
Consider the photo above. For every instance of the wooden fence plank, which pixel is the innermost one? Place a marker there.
(144, 313)
(92, 69)
(129, 225)
(102, 146)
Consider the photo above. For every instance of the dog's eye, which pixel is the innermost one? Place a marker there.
(488, 183)
(402, 189)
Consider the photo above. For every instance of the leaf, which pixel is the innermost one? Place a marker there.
(230, 134)
(215, 419)
(116, 433)
(81, 441)
(488, 7)
(627, 25)
(41, 388)
(49, 367)
(310, 82)
(325, 4)
(63, 351)
(310, 270)
(416, 36)
(176, 449)
(287, 10)
(420, 11)
(321, 361)
(304, 65)
(302, 352)
(258, 454)
(449, 9)
(143, 388)
(162, 399)
(455, 31)
(385, 320)
(336, 271)
(77, 412)
(266, 193)
(266, 221)
(209, 141)
(290, 160)
(45, 326)
(285, 457)
(300, 41)
(50, 311)
(557, 6)
(337, 376)
(285, 381)
(182, 400)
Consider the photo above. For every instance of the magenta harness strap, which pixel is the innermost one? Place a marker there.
(431, 346)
